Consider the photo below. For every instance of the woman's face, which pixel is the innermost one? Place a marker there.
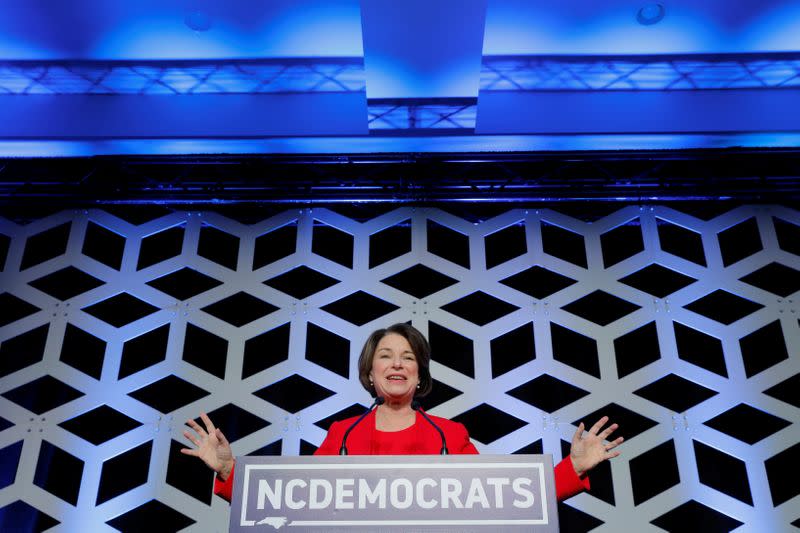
(395, 372)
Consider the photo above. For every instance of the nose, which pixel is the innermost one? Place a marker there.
(397, 362)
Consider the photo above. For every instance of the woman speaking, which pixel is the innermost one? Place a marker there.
(394, 368)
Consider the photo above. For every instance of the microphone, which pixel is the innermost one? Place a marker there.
(417, 407)
(378, 401)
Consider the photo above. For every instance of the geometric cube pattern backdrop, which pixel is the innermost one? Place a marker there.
(117, 325)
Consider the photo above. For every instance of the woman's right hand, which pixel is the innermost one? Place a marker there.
(211, 446)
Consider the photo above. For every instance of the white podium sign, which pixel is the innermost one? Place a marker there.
(452, 493)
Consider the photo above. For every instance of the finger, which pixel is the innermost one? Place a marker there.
(222, 438)
(209, 424)
(191, 438)
(597, 425)
(195, 426)
(578, 433)
(613, 454)
(614, 443)
(608, 431)
(189, 451)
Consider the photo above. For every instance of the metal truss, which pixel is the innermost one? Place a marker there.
(422, 114)
(183, 77)
(756, 175)
(643, 73)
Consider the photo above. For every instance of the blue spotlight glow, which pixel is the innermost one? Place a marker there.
(650, 14)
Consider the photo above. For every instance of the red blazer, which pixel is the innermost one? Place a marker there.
(419, 439)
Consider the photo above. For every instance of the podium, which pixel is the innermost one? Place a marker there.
(420, 493)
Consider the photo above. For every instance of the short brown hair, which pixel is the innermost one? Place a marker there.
(419, 345)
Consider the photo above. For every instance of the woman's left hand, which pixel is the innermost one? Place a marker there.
(589, 451)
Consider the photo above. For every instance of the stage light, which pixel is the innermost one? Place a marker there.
(650, 14)
(198, 20)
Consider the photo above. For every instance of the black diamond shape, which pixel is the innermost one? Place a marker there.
(143, 517)
(276, 244)
(19, 516)
(419, 281)
(83, 351)
(183, 474)
(359, 308)
(235, 422)
(747, 423)
(294, 393)
(538, 282)
(601, 308)
(775, 278)
(240, 309)
(654, 471)
(328, 350)
(657, 280)
(4, 424)
(124, 472)
(120, 310)
(675, 392)
(681, 242)
(782, 475)
(698, 515)
(547, 393)
(723, 307)
(512, 350)
(103, 245)
(45, 246)
(739, 241)
(355, 409)
(58, 472)
(205, 350)
(43, 394)
(160, 247)
(184, 283)
(700, 349)
(23, 350)
(5, 243)
(100, 425)
(265, 350)
(479, 308)
(66, 283)
(637, 349)
(451, 349)
(486, 424)
(448, 243)
(12, 309)
(723, 472)
(143, 351)
(271, 449)
(301, 282)
(389, 243)
(621, 242)
(441, 393)
(505, 244)
(631, 424)
(332, 243)
(788, 235)
(787, 391)
(9, 459)
(564, 244)
(168, 394)
(575, 350)
(218, 246)
(763, 349)
(575, 520)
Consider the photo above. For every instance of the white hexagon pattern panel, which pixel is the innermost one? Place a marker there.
(117, 325)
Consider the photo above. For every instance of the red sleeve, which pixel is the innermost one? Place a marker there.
(224, 489)
(567, 481)
(330, 446)
(460, 443)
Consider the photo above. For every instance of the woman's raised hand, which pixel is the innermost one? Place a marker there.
(211, 446)
(589, 451)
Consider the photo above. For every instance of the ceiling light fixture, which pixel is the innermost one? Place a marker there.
(650, 14)
(198, 20)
